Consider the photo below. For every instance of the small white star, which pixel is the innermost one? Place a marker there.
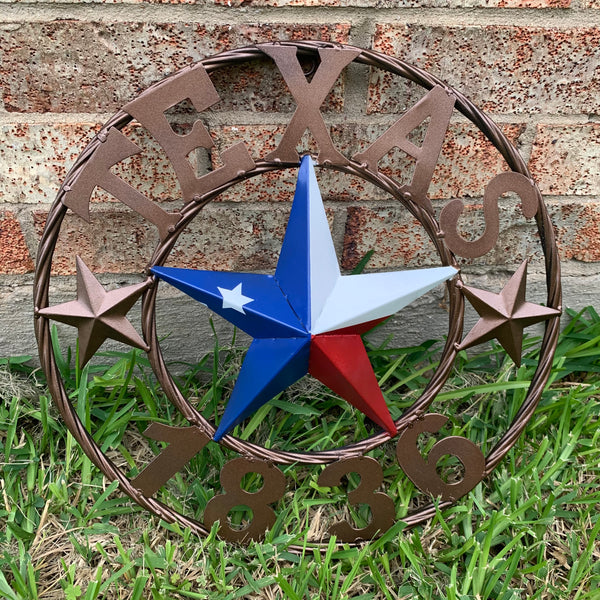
(234, 298)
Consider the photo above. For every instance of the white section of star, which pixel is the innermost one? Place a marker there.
(339, 301)
(234, 298)
(323, 266)
(357, 299)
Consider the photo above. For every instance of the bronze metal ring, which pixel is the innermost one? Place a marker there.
(427, 219)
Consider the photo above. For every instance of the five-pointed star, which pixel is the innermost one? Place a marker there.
(505, 315)
(307, 317)
(98, 314)
(234, 298)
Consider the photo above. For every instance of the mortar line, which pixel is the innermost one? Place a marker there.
(262, 206)
(218, 16)
(248, 118)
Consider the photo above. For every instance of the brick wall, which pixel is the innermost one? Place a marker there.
(534, 65)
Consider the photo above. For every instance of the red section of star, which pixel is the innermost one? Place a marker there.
(339, 360)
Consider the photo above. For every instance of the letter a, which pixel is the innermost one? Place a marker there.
(436, 105)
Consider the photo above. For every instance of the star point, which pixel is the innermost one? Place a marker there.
(340, 361)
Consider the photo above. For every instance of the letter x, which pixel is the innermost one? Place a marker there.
(309, 97)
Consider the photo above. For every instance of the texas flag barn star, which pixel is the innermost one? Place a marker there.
(307, 317)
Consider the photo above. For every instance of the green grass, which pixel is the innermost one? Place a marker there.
(531, 530)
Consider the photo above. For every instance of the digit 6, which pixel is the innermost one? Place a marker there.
(423, 473)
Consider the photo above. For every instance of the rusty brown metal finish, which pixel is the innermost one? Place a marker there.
(309, 96)
(263, 516)
(423, 473)
(184, 444)
(437, 106)
(383, 511)
(149, 109)
(505, 315)
(98, 314)
(327, 61)
(499, 185)
(113, 148)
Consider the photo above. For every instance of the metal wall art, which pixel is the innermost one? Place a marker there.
(305, 318)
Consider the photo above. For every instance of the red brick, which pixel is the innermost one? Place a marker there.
(74, 66)
(466, 164)
(14, 254)
(259, 82)
(565, 159)
(528, 3)
(348, 3)
(111, 2)
(278, 186)
(236, 238)
(35, 159)
(260, 140)
(258, 3)
(224, 237)
(397, 238)
(577, 228)
(469, 160)
(518, 238)
(402, 3)
(591, 4)
(400, 241)
(114, 241)
(150, 171)
(501, 69)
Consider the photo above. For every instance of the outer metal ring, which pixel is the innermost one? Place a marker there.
(366, 57)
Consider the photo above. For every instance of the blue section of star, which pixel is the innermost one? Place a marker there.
(267, 315)
(270, 366)
(293, 268)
